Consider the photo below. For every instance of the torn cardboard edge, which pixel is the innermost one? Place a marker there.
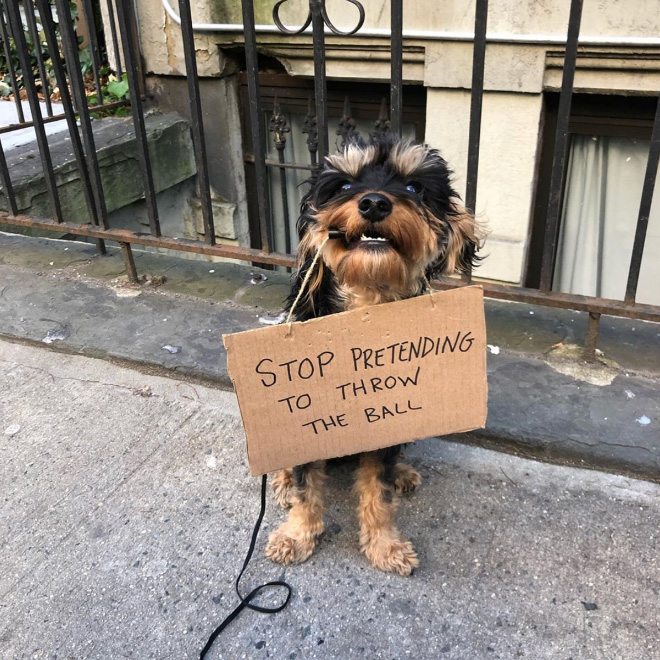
(361, 380)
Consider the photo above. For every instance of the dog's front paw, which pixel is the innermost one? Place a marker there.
(406, 478)
(284, 489)
(284, 548)
(391, 555)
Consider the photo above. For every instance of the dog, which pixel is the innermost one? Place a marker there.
(394, 222)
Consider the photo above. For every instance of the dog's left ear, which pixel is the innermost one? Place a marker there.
(462, 239)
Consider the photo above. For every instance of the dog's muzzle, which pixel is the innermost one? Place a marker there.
(374, 207)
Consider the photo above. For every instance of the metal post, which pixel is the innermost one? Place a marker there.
(476, 102)
(644, 209)
(396, 85)
(279, 129)
(113, 37)
(60, 77)
(589, 354)
(34, 35)
(311, 130)
(257, 125)
(88, 12)
(16, 23)
(129, 262)
(196, 120)
(561, 147)
(4, 33)
(70, 44)
(131, 60)
(320, 89)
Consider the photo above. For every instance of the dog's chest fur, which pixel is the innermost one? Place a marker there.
(356, 297)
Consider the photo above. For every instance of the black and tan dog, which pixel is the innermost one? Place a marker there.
(397, 222)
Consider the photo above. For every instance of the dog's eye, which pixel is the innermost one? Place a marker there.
(413, 188)
(347, 186)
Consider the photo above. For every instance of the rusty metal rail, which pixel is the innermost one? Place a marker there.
(124, 236)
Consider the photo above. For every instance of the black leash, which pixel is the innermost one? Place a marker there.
(246, 602)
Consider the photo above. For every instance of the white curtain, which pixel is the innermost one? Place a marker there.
(601, 203)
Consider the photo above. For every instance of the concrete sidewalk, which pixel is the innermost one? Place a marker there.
(126, 509)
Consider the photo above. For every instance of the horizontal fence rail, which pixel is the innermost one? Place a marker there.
(20, 25)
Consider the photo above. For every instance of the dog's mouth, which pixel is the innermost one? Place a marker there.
(370, 239)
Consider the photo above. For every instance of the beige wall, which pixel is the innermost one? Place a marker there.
(518, 70)
(506, 167)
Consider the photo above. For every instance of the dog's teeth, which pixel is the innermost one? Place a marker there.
(372, 238)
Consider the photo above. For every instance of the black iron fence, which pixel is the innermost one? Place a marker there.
(19, 23)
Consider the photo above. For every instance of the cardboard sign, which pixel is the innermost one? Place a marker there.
(361, 380)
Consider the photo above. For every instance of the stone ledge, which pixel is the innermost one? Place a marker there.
(172, 160)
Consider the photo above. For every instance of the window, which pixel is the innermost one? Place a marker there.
(608, 150)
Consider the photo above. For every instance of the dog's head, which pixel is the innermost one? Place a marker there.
(396, 217)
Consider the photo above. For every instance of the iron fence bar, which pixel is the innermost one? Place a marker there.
(60, 77)
(161, 242)
(320, 88)
(561, 147)
(285, 205)
(133, 68)
(15, 21)
(113, 37)
(88, 12)
(396, 85)
(476, 102)
(139, 63)
(71, 54)
(644, 209)
(476, 106)
(196, 120)
(257, 125)
(278, 126)
(5, 29)
(6, 182)
(34, 35)
(591, 339)
(129, 263)
(50, 120)
(310, 128)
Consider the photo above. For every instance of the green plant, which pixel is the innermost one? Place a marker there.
(84, 56)
(115, 90)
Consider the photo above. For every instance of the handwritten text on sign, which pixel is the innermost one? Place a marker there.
(361, 380)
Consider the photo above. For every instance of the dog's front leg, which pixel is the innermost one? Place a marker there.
(379, 538)
(293, 542)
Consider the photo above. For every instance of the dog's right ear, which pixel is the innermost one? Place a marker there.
(462, 238)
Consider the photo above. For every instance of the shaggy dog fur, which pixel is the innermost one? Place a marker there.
(394, 220)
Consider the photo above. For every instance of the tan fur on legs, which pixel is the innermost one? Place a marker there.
(283, 488)
(406, 478)
(293, 542)
(379, 539)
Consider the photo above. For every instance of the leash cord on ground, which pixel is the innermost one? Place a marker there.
(246, 602)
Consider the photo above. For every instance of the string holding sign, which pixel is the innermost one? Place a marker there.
(305, 282)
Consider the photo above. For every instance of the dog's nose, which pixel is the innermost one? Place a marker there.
(374, 207)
